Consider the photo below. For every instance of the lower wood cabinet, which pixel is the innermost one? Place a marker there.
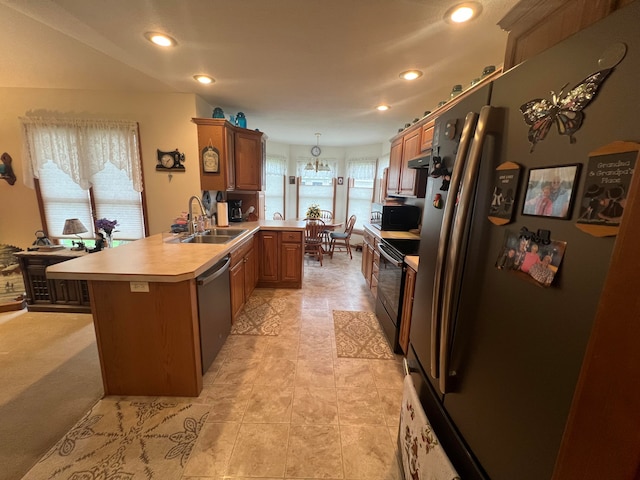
(49, 295)
(370, 262)
(242, 275)
(407, 308)
(280, 258)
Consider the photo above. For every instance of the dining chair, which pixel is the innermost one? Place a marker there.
(313, 237)
(327, 217)
(278, 216)
(342, 239)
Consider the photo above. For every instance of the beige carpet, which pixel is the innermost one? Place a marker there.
(50, 377)
(261, 314)
(359, 335)
(123, 439)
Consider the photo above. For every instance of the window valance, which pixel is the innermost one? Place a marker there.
(81, 148)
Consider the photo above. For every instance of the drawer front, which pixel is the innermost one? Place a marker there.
(292, 237)
(375, 269)
(368, 238)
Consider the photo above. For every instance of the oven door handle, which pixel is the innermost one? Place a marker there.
(389, 258)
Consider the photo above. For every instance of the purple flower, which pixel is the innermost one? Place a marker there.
(106, 225)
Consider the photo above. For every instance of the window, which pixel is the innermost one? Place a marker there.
(316, 186)
(274, 195)
(86, 169)
(361, 174)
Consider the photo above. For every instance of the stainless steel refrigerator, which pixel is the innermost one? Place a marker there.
(495, 358)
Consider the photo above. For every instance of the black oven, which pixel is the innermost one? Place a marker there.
(391, 276)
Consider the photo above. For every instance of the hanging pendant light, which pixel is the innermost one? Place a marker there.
(318, 166)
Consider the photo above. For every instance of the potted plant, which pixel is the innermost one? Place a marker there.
(313, 211)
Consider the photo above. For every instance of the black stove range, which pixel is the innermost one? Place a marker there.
(391, 275)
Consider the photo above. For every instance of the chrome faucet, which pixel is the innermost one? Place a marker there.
(193, 223)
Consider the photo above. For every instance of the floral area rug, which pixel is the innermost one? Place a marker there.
(358, 335)
(125, 440)
(261, 315)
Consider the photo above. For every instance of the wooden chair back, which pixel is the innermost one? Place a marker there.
(326, 215)
(313, 238)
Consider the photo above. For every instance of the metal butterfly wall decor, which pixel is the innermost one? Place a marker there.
(566, 112)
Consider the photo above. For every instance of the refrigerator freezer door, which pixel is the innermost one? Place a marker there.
(517, 347)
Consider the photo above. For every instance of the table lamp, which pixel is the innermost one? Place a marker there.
(73, 226)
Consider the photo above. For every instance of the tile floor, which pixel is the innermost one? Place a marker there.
(287, 407)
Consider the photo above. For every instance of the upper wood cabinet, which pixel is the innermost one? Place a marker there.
(241, 155)
(401, 179)
(536, 25)
(426, 137)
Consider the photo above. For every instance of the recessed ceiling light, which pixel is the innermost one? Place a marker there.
(204, 79)
(383, 108)
(411, 74)
(160, 39)
(463, 12)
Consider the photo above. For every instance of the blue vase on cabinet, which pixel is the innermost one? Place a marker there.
(241, 120)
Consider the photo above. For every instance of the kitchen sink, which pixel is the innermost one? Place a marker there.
(225, 232)
(215, 235)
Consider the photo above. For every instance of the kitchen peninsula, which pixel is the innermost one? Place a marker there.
(145, 308)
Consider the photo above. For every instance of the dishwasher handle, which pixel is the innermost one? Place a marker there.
(217, 271)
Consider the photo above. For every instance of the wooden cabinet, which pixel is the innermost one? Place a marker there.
(375, 268)
(408, 176)
(242, 275)
(370, 261)
(407, 308)
(241, 154)
(249, 159)
(401, 179)
(395, 165)
(280, 259)
(426, 136)
(536, 25)
(367, 257)
(291, 253)
(49, 295)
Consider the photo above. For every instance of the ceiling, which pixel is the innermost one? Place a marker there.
(294, 67)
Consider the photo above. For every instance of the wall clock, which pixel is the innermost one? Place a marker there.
(170, 161)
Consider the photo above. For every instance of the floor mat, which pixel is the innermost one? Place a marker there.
(358, 335)
(261, 315)
(147, 439)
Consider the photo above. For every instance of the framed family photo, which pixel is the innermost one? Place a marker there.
(551, 191)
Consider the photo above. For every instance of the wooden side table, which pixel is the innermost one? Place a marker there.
(49, 295)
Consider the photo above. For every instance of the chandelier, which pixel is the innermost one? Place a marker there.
(318, 166)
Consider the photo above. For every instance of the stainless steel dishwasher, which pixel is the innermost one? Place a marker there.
(214, 310)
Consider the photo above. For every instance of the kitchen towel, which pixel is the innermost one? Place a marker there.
(423, 458)
(223, 214)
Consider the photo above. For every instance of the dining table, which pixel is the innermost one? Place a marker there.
(330, 226)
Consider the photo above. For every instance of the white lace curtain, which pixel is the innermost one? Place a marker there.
(362, 168)
(276, 165)
(81, 148)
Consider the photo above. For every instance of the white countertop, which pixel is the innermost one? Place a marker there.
(159, 258)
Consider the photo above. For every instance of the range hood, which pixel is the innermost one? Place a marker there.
(422, 161)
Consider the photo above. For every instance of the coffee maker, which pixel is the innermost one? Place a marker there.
(235, 210)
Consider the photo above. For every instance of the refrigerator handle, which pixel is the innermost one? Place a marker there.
(455, 253)
(443, 243)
